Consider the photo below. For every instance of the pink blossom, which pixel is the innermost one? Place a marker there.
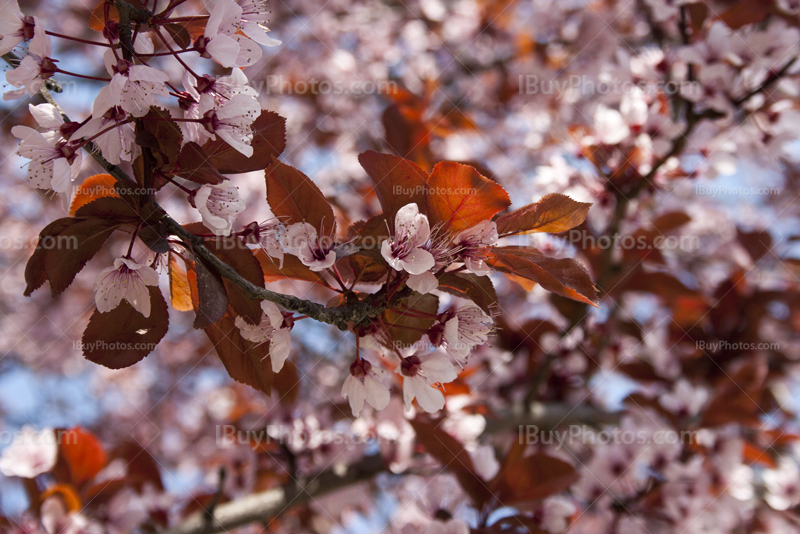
(118, 143)
(55, 162)
(451, 526)
(57, 520)
(219, 204)
(610, 127)
(302, 240)
(274, 328)
(255, 17)
(473, 246)
(420, 373)
(484, 462)
(222, 88)
(221, 39)
(555, 514)
(30, 454)
(232, 120)
(14, 26)
(137, 86)
(363, 383)
(267, 236)
(47, 117)
(783, 485)
(34, 68)
(125, 280)
(405, 251)
(423, 283)
(468, 327)
(684, 400)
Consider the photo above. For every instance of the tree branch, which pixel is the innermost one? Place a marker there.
(342, 317)
(266, 505)
(771, 79)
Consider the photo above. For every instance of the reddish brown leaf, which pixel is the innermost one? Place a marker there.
(757, 455)
(212, 298)
(233, 251)
(162, 136)
(738, 396)
(670, 221)
(83, 453)
(193, 165)
(117, 210)
(35, 273)
(269, 140)
(453, 457)
(460, 198)
(553, 213)
(745, 12)
(64, 247)
(287, 383)
(244, 361)
(94, 187)
(294, 198)
(123, 336)
(142, 467)
(643, 244)
(407, 329)
(367, 265)
(97, 18)
(179, 34)
(406, 134)
(565, 277)
(179, 290)
(757, 244)
(478, 289)
(534, 477)
(397, 181)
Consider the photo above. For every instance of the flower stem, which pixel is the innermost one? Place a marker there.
(133, 240)
(84, 76)
(177, 57)
(172, 20)
(176, 184)
(77, 39)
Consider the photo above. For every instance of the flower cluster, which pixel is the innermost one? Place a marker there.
(224, 108)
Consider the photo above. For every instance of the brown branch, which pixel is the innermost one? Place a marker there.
(771, 79)
(267, 505)
(343, 317)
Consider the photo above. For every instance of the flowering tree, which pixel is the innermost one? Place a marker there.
(516, 237)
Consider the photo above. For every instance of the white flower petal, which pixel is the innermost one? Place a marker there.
(279, 348)
(355, 392)
(418, 261)
(47, 116)
(423, 283)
